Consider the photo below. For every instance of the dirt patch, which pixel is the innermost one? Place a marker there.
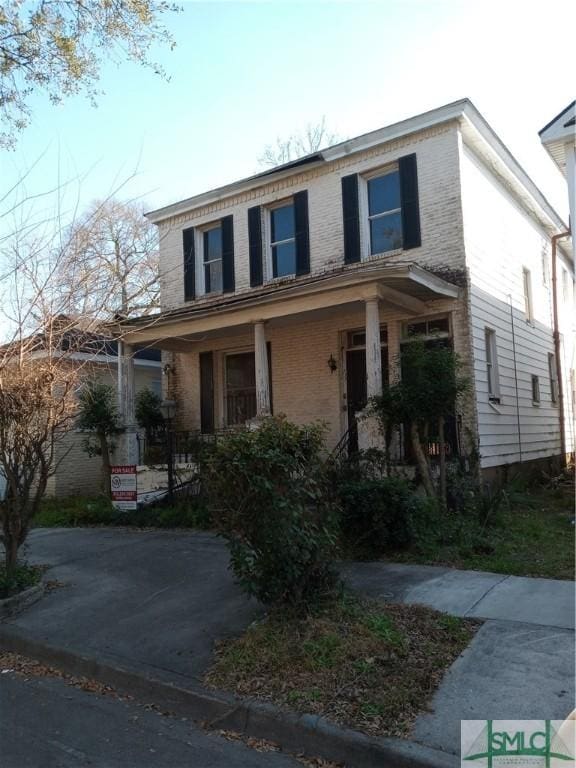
(364, 664)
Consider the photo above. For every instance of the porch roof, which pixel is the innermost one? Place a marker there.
(405, 287)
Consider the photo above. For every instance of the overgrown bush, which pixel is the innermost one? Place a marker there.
(380, 514)
(271, 500)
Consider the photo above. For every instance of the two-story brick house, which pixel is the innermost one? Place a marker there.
(293, 291)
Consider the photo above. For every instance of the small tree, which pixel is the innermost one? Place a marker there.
(37, 404)
(148, 412)
(426, 394)
(98, 413)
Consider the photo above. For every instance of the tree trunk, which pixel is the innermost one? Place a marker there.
(421, 462)
(11, 531)
(11, 554)
(441, 439)
(104, 450)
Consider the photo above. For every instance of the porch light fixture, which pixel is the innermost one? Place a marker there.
(332, 364)
(167, 369)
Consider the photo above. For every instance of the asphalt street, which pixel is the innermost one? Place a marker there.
(45, 723)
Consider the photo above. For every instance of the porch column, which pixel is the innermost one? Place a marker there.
(394, 330)
(261, 363)
(373, 351)
(129, 442)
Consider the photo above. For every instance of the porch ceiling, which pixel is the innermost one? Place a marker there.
(401, 287)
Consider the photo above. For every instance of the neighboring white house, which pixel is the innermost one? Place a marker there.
(559, 140)
(76, 472)
(294, 291)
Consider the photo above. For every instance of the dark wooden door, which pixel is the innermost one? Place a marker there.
(356, 396)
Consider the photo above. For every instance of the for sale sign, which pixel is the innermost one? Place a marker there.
(124, 487)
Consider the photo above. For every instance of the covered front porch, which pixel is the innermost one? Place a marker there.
(314, 351)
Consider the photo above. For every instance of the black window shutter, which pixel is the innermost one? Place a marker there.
(189, 264)
(411, 237)
(206, 392)
(255, 245)
(351, 216)
(227, 225)
(302, 233)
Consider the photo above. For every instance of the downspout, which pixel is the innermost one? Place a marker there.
(557, 348)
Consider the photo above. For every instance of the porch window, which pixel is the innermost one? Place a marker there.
(240, 388)
(427, 330)
(283, 240)
(212, 257)
(384, 212)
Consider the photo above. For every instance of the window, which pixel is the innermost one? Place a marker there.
(438, 327)
(240, 388)
(212, 259)
(527, 284)
(553, 373)
(545, 267)
(358, 338)
(283, 240)
(492, 365)
(535, 390)
(384, 212)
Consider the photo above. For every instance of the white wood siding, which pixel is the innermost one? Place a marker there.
(501, 239)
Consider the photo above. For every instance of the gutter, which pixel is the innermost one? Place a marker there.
(557, 347)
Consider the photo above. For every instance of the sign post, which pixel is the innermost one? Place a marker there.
(124, 487)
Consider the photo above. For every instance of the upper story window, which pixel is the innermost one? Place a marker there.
(384, 212)
(565, 285)
(212, 259)
(283, 240)
(208, 253)
(527, 286)
(545, 267)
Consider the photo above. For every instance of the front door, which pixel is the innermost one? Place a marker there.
(356, 396)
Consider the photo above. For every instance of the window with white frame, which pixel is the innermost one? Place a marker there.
(492, 365)
(535, 390)
(527, 286)
(553, 372)
(384, 211)
(283, 240)
(545, 267)
(210, 277)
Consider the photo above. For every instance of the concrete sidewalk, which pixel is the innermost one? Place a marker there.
(154, 603)
(546, 602)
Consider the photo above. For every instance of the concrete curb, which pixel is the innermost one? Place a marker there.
(308, 734)
(13, 605)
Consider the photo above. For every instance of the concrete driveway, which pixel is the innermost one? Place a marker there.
(157, 602)
(159, 599)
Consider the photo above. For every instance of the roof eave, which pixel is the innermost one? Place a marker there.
(406, 127)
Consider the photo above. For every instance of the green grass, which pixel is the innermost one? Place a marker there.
(364, 664)
(83, 511)
(531, 534)
(21, 578)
